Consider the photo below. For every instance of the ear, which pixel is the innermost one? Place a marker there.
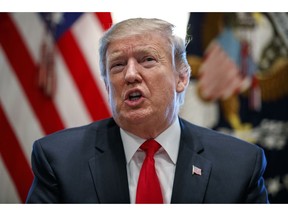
(182, 83)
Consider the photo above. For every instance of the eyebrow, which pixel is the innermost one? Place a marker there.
(138, 51)
(114, 55)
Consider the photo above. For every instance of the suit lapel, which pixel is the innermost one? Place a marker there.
(188, 187)
(108, 167)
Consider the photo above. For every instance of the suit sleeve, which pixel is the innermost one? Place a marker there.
(44, 188)
(257, 192)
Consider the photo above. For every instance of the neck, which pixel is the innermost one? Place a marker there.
(148, 130)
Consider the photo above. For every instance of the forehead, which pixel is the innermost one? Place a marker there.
(138, 43)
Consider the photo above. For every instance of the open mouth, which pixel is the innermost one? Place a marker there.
(134, 96)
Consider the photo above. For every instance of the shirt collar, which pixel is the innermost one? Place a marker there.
(168, 139)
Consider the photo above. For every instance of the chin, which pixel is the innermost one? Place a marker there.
(135, 117)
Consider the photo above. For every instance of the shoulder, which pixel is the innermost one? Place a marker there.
(74, 136)
(217, 142)
(235, 158)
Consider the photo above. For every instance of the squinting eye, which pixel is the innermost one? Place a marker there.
(117, 67)
(149, 62)
(149, 59)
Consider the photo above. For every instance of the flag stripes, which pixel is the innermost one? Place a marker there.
(14, 158)
(26, 113)
(82, 76)
(90, 50)
(104, 19)
(17, 108)
(26, 71)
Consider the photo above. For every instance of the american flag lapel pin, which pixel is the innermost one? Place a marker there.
(196, 170)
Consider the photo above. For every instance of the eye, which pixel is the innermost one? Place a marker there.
(148, 61)
(117, 67)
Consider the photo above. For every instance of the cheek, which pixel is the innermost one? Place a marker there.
(113, 101)
(115, 88)
(113, 92)
(114, 81)
(163, 90)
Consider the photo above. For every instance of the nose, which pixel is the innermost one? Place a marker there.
(132, 74)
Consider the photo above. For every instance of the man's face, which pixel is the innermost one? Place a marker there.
(142, 82)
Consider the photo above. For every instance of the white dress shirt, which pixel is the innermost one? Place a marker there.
(165, 159)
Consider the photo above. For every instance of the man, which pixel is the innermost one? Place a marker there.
(146, 73)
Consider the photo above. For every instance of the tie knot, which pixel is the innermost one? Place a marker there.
(150, 147)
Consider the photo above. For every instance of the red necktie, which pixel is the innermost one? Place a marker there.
(148, 189)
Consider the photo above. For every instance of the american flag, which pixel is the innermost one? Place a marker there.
(225, 71)
(196, 170)
(49, 80)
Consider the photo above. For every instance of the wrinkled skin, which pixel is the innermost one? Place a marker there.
(142, 84)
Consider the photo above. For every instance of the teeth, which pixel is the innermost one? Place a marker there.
(134, 96)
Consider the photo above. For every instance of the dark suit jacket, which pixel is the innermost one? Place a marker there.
(88, 165)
